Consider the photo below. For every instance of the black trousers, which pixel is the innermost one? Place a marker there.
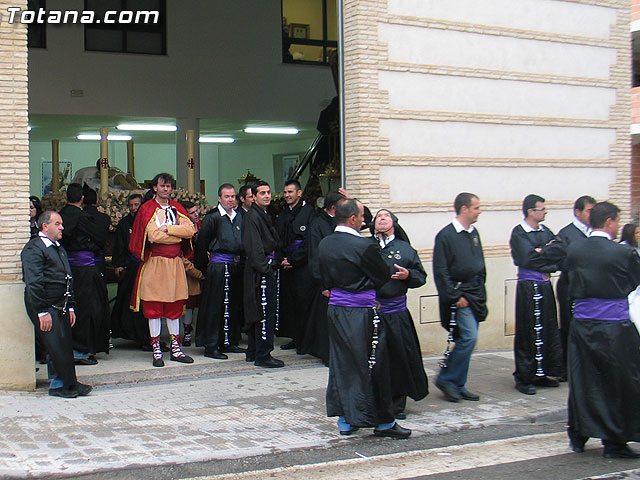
(58, 345)
(257, 345)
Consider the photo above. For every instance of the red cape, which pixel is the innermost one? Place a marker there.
(139, 246)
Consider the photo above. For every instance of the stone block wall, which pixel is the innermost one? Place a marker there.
(498, 97)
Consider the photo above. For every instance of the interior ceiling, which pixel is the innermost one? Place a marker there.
(45, 128)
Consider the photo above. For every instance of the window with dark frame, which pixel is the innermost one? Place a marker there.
(309, 31)
(144, 38)
(37, 32)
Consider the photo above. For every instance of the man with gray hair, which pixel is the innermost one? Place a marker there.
(49, 299)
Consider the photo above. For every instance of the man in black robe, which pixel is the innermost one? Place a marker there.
(316, 337)
(125, 323)
(49, 299)
(459, 273)
(537, 253)
(576, 230)
(245, 199)
(604, 346)
(292, 226)
(351, 267)
(102, 222)
(218, 251)
(82, 239)
(405, 270)
(260, 241)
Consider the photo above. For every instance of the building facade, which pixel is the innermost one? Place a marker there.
(498, 97)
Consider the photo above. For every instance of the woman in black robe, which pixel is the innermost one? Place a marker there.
(408, 378)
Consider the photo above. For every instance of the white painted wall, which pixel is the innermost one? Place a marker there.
(224, 60)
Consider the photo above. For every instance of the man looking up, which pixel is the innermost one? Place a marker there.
(576, 230)
(49, 300)
(260, 241)
(292, 226)
(161, 234)
(537, 253)
(459, 272)
(351, 268)
(218, 252)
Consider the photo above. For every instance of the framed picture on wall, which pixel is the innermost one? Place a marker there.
(47, 175)
(284, 165)
(299, 30)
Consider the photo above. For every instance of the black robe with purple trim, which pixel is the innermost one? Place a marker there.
(408, 376)
(548, 260)
(603, 355)
(356, 392)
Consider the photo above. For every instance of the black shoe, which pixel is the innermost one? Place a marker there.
(576, 442)
(233, 349)
(395, 432)
(183, 358)
(214, 353)
(158, 362)
(619, 451)
(85, 361)
(63, 392)
(562, 379)
(400, 416)
(467, 395)
(450, 393)
(350, 431)
(186, 343)
(83, 389)
(546, 382)
(251, 357)
(288, 346)
(269, 362)
(526, 388)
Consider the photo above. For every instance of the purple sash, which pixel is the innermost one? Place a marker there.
(82, 258)
(393, 305)
(295, 245)
(218, 257)
(525, 274)
(614, 310)
(343, 298)
(98, 257)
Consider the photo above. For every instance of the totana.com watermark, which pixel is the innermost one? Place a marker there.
(17, 15)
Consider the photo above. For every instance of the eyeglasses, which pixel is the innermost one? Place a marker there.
(539, 209)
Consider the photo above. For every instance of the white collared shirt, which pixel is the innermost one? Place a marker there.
(582, 227)
(46, 240)
(347, 229)
(528, 228)
(223, 212)
(459, 227)
(384, 241)
(600, 233)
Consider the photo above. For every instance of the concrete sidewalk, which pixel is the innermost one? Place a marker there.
(140, 416)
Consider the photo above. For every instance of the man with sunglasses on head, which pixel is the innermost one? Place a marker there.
(537, 253)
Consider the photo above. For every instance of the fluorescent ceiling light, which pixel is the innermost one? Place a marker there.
(147, 127)
(276, 130)
(216, 139)
(97, 136)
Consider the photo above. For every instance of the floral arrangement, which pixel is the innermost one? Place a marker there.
(54, 201)
(114, 203)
